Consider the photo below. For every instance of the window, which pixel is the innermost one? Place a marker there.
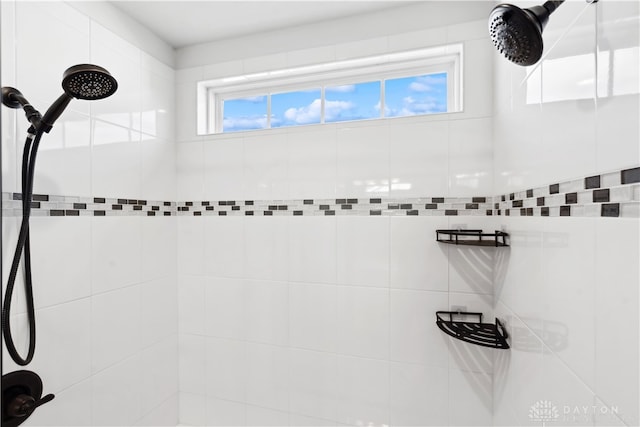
(426, 81)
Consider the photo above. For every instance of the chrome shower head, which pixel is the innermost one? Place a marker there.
(517, 33)
(87, 81)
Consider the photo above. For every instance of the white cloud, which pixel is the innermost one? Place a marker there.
(341, 89)
(412, 106)
(244, 123)
(427, 83)
(419, 87)
(311, 112)
(307, 114)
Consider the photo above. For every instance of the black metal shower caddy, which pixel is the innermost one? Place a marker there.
(474, 332)
(472, 238)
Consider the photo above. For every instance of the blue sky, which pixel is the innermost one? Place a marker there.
(403, 97)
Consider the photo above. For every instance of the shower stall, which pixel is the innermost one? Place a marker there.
(478, 266)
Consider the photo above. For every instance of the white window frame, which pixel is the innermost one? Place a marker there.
(448, 59)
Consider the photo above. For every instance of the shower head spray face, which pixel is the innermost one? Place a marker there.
(517, 33)
(87, 81)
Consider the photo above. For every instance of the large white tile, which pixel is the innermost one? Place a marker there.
(64, 156)
(186, 97)
(363, 251)
(166, 414)
(61, 259)
(265, 167)
(362, 161)
(415, 261)
(190, 169)
(158, 169)
(223, 169)
(224, 413)
(478, 77)
(115, 326)
(159, 246)
(159, 373)
(313, 316)
(117, 387)
(258, 416)
(157, 104)
(363, 322)
(569, 290)
(224, 246)
(418, 159)
(122, 60)
(116, 161)
(226, 369)
(522, 293)
(567, 392)
(471, 269)
(191, 304)
(616, 347)
(470, 157)
(191, 364)
(116, 252)
(418, 395)
(415, 338)
(313, 384)
(267, 376)
(363, 391)
(267, 312)
(521, 364)
(266, 248)
(312, 249)
(192, 409)
(65, 27)
(191, 244)
(312, 164)
(159, 310)
(225, 308)
(617, 87)
(63, 351)
(470, 398)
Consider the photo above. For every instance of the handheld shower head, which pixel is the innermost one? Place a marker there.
(517, 33)
(83, 81)
(87, 81)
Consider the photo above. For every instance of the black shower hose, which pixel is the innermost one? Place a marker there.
(28, 168)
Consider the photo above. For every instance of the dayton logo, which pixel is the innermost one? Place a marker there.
(543, 411)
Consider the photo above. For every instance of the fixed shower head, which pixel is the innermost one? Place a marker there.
(83, 81)
(517, 33)
(87, 81)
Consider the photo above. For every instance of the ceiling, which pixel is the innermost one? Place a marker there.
(182, 23)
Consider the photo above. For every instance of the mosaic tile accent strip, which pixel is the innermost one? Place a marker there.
(427, 206)
(50, 205)
(615, 194)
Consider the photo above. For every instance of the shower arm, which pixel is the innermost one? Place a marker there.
(13, 98)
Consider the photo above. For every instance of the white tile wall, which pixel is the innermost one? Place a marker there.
(320, 320)
(329, 320)
(564, 286)
(105, 291)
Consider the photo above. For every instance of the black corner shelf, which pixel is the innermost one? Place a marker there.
(472, 238)
(483, 334)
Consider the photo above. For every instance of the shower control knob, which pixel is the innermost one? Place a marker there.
(21, 406)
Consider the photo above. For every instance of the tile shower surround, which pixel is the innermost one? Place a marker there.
(614, 194)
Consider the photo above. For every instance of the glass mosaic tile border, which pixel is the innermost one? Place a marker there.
(615, 194)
